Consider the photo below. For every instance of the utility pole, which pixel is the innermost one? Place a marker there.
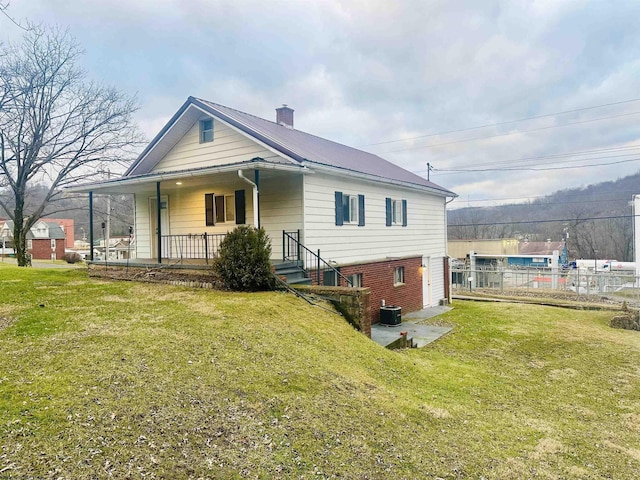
(429, 168)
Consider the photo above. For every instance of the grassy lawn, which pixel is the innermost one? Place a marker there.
(132, 380)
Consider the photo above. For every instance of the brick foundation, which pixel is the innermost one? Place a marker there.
(378, 276)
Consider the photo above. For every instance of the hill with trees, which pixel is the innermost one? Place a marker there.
(596, 220)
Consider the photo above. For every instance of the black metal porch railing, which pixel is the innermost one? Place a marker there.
(312, 262)
(197, 246)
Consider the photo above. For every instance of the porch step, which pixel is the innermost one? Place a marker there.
(299, 281)
(292, 272)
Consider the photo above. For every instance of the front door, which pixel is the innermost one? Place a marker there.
(426, 282)
(153, 219)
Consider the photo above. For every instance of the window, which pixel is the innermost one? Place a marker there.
(355, 279)
(398, 276)
(329, 278)
(349, 209)
(29, 244)
(396, 212)
(206, 130)
(350, 206)
(53, 243)
(224, 208)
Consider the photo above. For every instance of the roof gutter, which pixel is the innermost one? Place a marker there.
(168, 176)
(378, 179)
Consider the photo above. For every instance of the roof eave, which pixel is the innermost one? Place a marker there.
(104, 187)
(367, 176)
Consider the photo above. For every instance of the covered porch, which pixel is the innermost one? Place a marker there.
(182, 217)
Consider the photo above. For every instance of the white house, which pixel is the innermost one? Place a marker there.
(212, 167)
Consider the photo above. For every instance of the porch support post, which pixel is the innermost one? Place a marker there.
(91, 226)
(159, 222)
(256, 176)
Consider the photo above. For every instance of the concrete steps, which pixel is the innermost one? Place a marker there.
(292, 272)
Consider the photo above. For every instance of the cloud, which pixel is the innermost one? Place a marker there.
(368, 71)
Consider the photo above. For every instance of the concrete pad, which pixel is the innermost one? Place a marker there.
(421, 334)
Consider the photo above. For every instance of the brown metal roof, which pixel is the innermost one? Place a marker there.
(300, 146)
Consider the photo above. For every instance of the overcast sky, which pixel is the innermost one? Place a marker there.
(390, 77)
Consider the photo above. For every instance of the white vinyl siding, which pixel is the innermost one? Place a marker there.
(142, 226)
(187, 209)
(424, 234)
(280, 208)
(228, 146)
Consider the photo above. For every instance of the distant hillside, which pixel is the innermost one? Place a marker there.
(76, 207)
(609, 235)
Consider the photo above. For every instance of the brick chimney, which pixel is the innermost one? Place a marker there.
(284, 116)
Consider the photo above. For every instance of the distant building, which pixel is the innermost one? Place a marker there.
(501, 246)
(67, 227)
(545, 248)
(45, 240)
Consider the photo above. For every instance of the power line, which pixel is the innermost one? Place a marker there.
(550, 161)
(521, 222)
(531, 169)
(540, 157)
(500, 123)
(559, 155)
(547, 204)
(511, 133)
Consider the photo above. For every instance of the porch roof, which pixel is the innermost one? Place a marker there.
(127, 184)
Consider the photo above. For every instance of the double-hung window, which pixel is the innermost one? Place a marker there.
(355, 279)
(349, 209)
(206, 130)
(398, 276)
(396, 212)
(224, 208)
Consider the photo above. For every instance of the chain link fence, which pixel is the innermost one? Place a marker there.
(580, 281)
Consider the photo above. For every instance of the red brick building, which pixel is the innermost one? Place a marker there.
(45, 240)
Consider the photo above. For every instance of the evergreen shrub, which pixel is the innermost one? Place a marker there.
(243, 261)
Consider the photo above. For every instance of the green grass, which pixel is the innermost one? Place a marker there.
(133, 380)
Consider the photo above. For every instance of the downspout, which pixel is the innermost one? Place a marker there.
(256, 205)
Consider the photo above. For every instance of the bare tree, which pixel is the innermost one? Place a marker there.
(56, 128)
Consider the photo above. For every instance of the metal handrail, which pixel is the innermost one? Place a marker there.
(293, 250)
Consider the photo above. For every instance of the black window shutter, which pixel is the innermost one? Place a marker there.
(404, 213)
(241, 209)
(389, 218)
(339, 209)
(361, 210)
(208, 208)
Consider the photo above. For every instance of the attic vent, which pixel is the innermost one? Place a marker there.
(284, 116)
